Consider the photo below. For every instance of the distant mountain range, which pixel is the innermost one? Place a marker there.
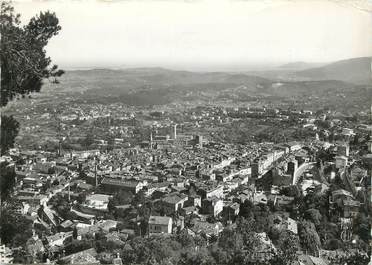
(300, 65)
(356, 70)
(342, 80)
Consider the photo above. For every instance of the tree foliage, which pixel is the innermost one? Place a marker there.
(24, 64)
(9, 131)
(7, 180)
(15, 228)
(309, 237)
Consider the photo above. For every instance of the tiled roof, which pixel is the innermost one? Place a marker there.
(120, 182)
(160, 220)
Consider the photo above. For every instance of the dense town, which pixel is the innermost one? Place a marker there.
(116, 185)
(185, 132)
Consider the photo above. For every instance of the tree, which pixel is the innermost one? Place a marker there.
(15, 228)
(186, 240)
(24, 64)
(78, 245)
(7, 180)
(230, 240)
(75, 233)
(200, 257)
(120, 198)
(246, 209)
(291, 191)
(288, 245)
(309, 238)
(245, 228)
(81, 198)
(9, 131)
(314, 216)
(362, 227)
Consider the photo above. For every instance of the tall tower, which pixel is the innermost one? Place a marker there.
(151, 140)
(174, 132)
(95, 173)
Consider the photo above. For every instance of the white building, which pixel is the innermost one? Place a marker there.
(341, 161)
(160, 225)
(5, 255)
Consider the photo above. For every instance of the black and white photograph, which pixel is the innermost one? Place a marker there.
(186, 132)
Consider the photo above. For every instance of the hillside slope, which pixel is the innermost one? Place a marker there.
(356, 70)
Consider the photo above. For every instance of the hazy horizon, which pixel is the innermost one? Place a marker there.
(203, 35)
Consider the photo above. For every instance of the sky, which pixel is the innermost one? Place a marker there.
(203, 34)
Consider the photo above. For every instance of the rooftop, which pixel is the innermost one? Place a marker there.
(160, 220)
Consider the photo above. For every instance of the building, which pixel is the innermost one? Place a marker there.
(84, 154)
(174, 202)
(339, 195)
(112, 185)
(199, 140)
(341, 161)
(293, 146)
(232, 209)
(95, 203)
(5, 255)
(257, 168)
(347, 132)
(211, 192)
(292, 166)
(369, 146)
(281, 179)
(350, 208)
(58, 239)
(160, 225)
(213, 206)
(343, 150)
(193, 201)
(174, 132)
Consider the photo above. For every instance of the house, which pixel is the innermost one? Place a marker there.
(103, 225)
(193, 200)
(160, 225)
(339, 195)
(232, 209)
(209, 192)
(174, 202)
(48, 215)
(44, 167)
(293, 146)
(350, 207)
(280, 199)
(260, 197)
(95, 203)
(291, 225)
(213, 206)
(189, 210)
(58, 239)
(341, 161)
(112, 185)
(84, 154)
(36, 200)
(66, 226)
(5, 255)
